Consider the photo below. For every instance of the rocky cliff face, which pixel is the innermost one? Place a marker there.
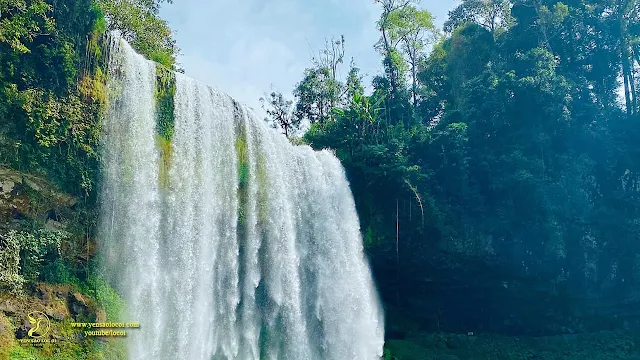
(24, 197)
(45, 248)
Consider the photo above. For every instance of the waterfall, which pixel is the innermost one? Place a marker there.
(226, 241)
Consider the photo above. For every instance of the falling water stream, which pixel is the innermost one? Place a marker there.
(226, 241)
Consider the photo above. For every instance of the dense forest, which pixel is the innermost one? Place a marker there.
(494, 164)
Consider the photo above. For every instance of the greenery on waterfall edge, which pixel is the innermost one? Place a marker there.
(506, 133)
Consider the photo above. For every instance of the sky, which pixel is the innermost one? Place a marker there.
(248, 48)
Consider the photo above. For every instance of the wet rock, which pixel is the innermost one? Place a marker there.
(54, 225)
(55, 315)
(22, 331)
(78, 305)
(101, 316)
(20, 191)
(8, 308)
(44, 295)
(4, 327)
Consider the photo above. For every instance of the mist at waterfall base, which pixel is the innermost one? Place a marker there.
(244, 247)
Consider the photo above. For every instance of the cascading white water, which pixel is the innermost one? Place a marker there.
(246, 248)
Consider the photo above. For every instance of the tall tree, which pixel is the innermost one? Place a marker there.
(627, 13)
(321, 89)
(388, 46)
(331, 57)
(353, 84)
(280, 113)
(414, 30)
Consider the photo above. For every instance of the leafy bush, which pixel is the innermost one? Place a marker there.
(10, 278)
(105, 295)
(22, 255)
(34, 247)
(52, 90)
(138, 23)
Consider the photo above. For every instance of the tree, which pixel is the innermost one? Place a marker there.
(414, 30)
(521, 164)
(392, 90)
(627, 13)
(491, 14)
(315, 95)
(387, 45)
(280, 112)
(22, 21)
(353, 84)
(331, 57)
(320, 90)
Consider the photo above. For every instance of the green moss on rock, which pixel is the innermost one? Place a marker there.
(165, 106)
(165, 119)
(243, 174)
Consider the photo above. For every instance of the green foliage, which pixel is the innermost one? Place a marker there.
(165, 119)
(52, 94)
(23, 254)
(491, 14)
(22, 353)
(243, 174)
(386, 355)
(33, 248)
(58, 271)
(414, 30)
(353, 83)
(10, 278)
(105, 295)
(52, 82)
(139, 24)
(88, 349)
(505, 155)
(25, 21)
(317, 93)
(279, 111)
(403, 22)
(165, 107)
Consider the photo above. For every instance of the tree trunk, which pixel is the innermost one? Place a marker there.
(398, 252)
(635, 54)
(414, 83)
(627, 86)
(626, 69)
(387, 50)
(634, 100)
